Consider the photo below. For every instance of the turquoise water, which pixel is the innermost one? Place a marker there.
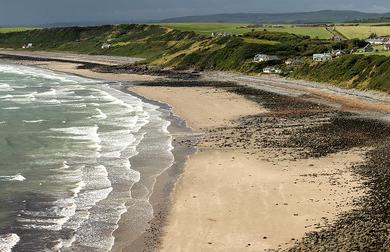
(65, 160)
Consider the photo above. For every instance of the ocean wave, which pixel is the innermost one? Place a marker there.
(11, 108)
(43, 73)
(5, 87)
(33, 121)
(8, 241)
(101, 115)
(17, 177)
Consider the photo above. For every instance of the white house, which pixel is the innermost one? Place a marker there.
(320, 57)
(106, 46)
(264, 57)
(272, 70)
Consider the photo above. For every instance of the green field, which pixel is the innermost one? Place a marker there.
(313, 32)
(208, 28)
(17, 29)
(363, 31)
(238, 29)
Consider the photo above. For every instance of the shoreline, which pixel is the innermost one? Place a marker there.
(216, 149)
(160, 195)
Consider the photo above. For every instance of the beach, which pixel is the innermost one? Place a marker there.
(269, 167)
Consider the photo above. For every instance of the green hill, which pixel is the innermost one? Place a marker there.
(187, 50)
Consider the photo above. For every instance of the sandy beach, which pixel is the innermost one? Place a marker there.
(270, 167)
(235, 200)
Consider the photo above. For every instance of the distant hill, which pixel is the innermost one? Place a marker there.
(325, 16)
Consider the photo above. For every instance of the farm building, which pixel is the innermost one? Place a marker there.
(264, 57)
(221, 34)
(320, 57)
(272, 70)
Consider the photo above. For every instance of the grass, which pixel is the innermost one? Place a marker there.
(16, 29)
(363, 31)
(239, 29)
(313, 32)
(208, 28)
(260, 41)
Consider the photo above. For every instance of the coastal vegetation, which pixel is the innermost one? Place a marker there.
(173, 48)
(353, 71)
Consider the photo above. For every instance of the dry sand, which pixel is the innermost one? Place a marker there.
(230, 200)
(202, 107)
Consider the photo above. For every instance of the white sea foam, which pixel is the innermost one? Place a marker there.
(80, 133)
(5, 87)
(34, 121)
(43, 73)
(8, 241)
(11, 108)
(101, 115)
(17, 177)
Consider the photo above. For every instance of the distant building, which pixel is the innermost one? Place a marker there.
(264, 57)
(320, 57)
(272, 70)
(106, 46)
(221, 34)
(378, 41)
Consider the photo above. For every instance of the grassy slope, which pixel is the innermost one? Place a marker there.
(185, 49)
(353, 71)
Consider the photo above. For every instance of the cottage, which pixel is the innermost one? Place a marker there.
(320, 57)
(106, 46)
(263, 58)
(221, 34)
(272, 70)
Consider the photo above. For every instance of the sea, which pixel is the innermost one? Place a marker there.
(66, 150)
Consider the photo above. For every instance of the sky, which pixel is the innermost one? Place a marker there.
(30, 12)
